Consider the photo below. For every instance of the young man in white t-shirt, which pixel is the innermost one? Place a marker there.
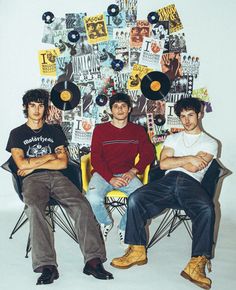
(185, 156)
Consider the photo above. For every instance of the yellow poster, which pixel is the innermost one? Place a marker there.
(96, 28)
(136, 75)
(47, 61)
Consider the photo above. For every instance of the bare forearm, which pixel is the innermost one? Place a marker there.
(174, 162)
(35, 162)
(56, 164)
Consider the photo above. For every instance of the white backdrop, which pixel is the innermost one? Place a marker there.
(210, 34)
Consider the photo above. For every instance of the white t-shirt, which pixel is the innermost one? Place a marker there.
(188, 144)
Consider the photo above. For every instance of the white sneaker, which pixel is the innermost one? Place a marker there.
(105, 229)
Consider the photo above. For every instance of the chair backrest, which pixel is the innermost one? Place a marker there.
(10, 166)
(73, 172)
(86, 168)
(212, 176)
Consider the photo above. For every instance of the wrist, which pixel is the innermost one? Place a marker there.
(134, 170)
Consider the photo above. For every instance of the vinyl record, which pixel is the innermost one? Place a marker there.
(113, 10)
(73, 36)
(117, 64)
(155, 85)
(153, 17)
(65, 95)
(101, 100)
(48, 17)
(159, 120)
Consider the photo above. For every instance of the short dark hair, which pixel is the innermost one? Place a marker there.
(119, 97)
(37, 96)
(188, 104)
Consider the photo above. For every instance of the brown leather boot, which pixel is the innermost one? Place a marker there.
(195, 272)
(135, 255)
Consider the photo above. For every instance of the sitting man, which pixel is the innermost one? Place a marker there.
(186, 157)
(114, 147)
(38, 150)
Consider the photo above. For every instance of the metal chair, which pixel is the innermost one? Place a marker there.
(55, 213)
(115, 199)
(175, 217)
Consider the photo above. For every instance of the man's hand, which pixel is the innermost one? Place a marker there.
(199, 162)
(129, 175)
(24, 172)
(117, 181)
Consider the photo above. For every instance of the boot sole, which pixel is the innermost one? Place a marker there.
(202, 285)
(130, 265)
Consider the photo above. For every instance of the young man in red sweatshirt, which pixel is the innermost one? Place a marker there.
(114, 147)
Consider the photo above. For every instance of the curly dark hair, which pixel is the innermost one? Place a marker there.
(188, 104)
(119, 97)
(38, 96)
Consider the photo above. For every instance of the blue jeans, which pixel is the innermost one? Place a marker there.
(175, 190)
(97, 190)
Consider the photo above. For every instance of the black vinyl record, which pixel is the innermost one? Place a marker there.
(48, 17)
(101, 100)
(73, 36)
(153, 17)
(159, 120)
(117, 64)
(155, 85)
(113, 10)
(65, 95)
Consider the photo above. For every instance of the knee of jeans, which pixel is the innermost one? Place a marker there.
(133, 200)
(94, 199)
(209, 210)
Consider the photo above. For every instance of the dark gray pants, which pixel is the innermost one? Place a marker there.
(37, 189)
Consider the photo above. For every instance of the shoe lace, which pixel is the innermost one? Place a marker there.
(128, 251)
(209, 266)
(202, 262)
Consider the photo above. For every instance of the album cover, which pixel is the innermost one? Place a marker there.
(136, 75)
(96, 28)
(47, 61)
(75, 21)
(169, 13)
(151, 53)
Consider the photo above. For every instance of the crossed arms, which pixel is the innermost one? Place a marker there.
(53, 161)
(191, 163)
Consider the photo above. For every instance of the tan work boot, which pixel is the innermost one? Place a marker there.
(195, 272)
(135, 255)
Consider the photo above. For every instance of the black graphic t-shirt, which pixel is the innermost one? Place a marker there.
(36, 143)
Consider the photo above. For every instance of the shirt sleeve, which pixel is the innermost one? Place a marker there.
(146, 151)
(211, 147)
(14, 141)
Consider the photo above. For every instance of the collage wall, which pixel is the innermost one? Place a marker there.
(112, 52)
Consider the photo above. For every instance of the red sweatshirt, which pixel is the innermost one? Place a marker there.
(113, 150)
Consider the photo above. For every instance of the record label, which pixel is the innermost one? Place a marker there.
(65, 95)
(48, 17)
(113, 10)
(155, 85)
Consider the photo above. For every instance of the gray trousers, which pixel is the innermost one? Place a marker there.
(37, 189)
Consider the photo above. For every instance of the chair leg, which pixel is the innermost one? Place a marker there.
(20, 222)
(172, 219)
(28, 247)
(64, 222)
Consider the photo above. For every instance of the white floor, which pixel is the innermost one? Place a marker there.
(166, 259)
